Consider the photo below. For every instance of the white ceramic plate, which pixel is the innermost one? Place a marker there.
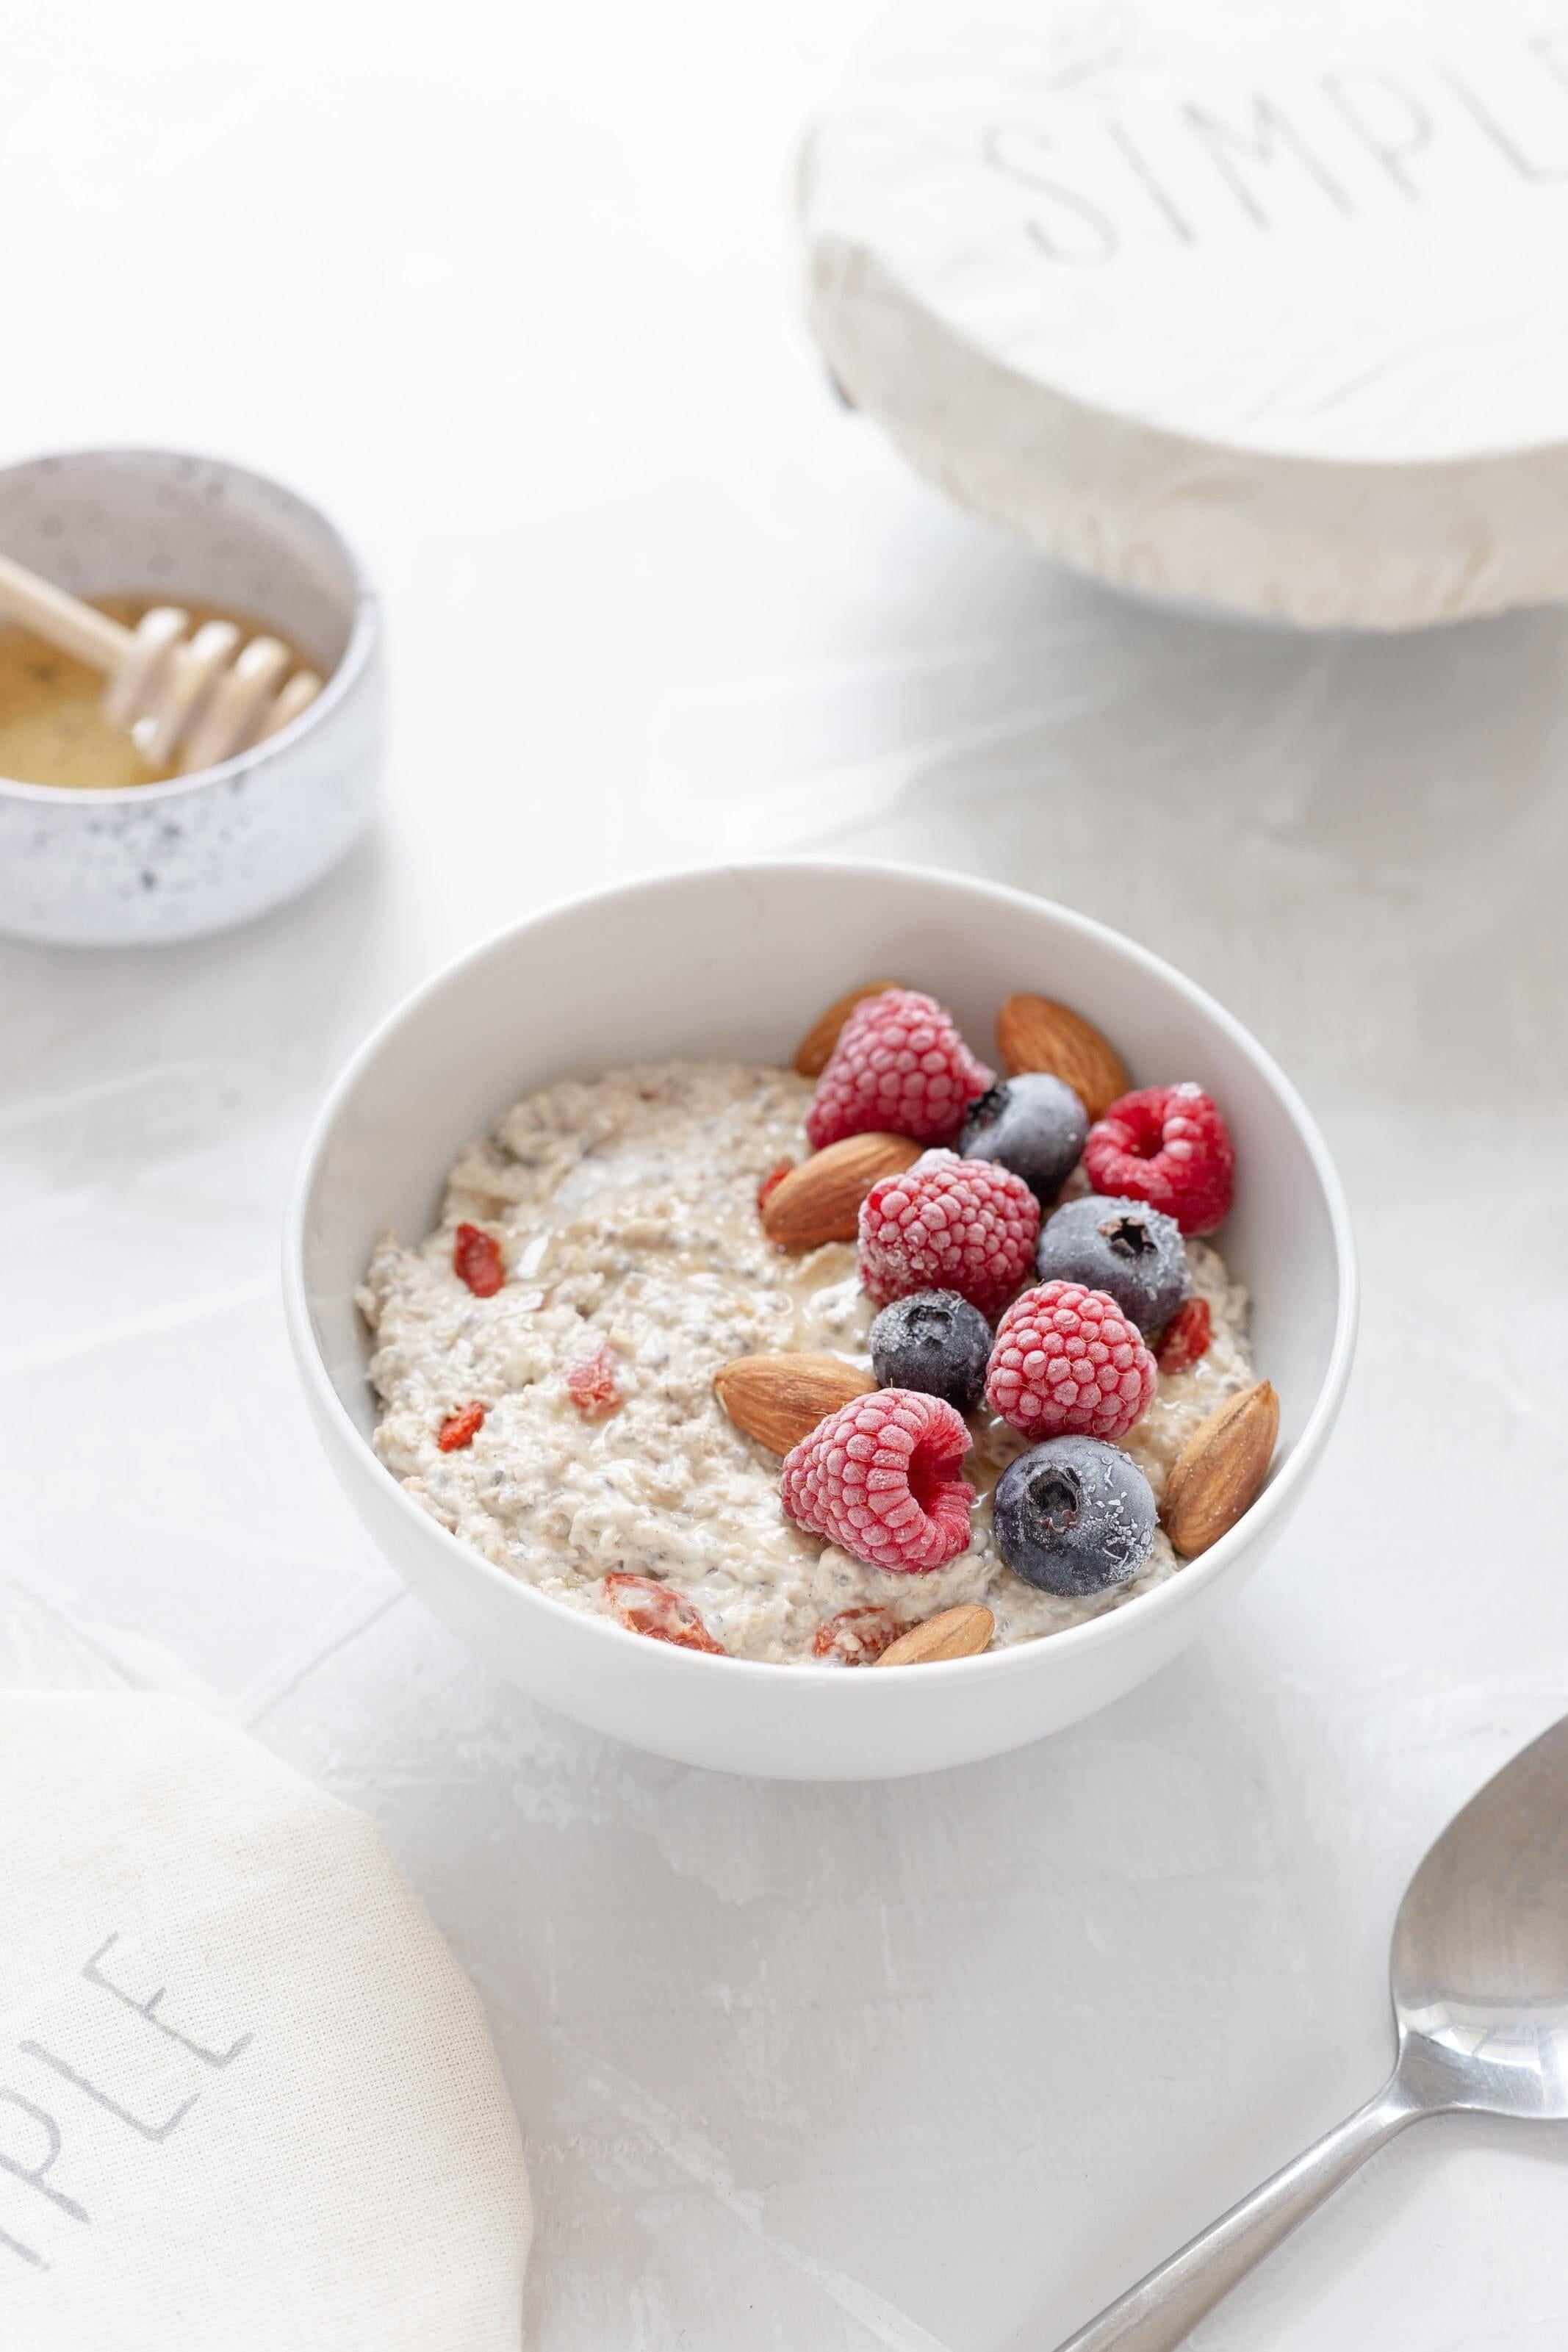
(737, 961)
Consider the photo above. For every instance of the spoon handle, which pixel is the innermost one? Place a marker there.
(1163, 2307)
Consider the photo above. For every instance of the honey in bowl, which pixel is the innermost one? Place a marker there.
(52, 727)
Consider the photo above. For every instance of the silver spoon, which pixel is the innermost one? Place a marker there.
(1480, 1971)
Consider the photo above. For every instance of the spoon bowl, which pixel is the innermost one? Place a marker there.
(1480, 1977)
(1479, 1967)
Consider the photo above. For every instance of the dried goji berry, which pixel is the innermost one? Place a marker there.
(770, 1183)
(460, 1429)
(855, 1637)
(650, 1608)
(592, 1382)
(1187, 1337)
(476, 1256)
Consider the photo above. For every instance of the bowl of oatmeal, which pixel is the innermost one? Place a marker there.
(576, 1288)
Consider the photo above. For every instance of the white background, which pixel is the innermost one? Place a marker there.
(938, 2063)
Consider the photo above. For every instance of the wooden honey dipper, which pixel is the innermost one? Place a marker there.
(204, 696)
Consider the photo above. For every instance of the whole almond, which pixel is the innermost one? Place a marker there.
(815, 1050)
(820, 1200)
(1220, 1469)
(961, 1633)
(779, 1400)
(1033, 1033)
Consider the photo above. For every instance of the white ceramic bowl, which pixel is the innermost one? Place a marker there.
(737, 961)
(157, 862)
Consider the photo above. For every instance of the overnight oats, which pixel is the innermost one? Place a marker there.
(870, 1361)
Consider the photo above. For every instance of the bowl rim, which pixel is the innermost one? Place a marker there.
(363, 631)
(1176, 1593)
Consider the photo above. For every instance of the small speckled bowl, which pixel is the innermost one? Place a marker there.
(157, 862)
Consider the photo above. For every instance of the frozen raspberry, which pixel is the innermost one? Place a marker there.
(899, 1068)
(948, 1224)
(460, 1429)
(477, 1258)
(646, 1606)
(1186, 1336)
(591, 1381)
(1170, 1147)
(1066, 1360)
(855, 1637)
(879, 1477)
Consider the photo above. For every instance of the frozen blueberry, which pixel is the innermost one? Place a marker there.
(1074, 1515)
(1034, 1125)
(1131, 1252)
(936, 1342)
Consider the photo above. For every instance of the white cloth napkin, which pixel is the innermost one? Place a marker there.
(247, 2100)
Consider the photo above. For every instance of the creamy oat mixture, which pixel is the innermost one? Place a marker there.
(627, 1213)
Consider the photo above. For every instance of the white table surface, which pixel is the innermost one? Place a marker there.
(940, 2064)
